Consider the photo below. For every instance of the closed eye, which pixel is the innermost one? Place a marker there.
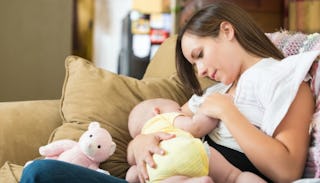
(200, 55)
(197, 53)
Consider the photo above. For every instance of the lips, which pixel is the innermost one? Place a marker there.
(213, 75)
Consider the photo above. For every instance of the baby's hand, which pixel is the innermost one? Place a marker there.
(216, 105)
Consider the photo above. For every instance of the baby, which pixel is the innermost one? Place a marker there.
(185, 154)
(187, 158)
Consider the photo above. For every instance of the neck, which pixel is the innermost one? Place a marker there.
(248, 60)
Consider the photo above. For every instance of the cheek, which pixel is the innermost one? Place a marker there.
(210, 60)
(223, 71)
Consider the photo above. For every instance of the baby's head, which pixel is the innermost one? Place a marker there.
(146, 110)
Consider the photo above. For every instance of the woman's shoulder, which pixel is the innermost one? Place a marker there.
(260, 71)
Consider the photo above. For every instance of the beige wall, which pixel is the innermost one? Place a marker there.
(35, 38)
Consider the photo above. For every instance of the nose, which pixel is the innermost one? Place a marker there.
(202, 72)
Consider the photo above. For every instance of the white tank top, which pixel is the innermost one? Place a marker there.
(263, 95)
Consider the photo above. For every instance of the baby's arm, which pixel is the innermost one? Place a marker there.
(198, 125)
(186, 110)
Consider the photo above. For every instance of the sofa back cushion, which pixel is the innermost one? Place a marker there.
(163, 63)
(93, 94)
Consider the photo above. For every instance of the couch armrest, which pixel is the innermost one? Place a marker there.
(24, 127)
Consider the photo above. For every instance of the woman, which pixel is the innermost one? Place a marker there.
(263, 128)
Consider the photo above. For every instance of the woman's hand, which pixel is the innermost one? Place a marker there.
(143, 147)
(217, 105)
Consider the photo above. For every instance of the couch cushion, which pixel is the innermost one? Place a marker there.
(93, 94)
(165, 60)
(10, 173)
(20, 119)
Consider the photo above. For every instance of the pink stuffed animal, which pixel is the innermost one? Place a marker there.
(94, 147)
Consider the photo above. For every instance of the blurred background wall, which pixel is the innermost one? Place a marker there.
(35, 38)
(37, 35)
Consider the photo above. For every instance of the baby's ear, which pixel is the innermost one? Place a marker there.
(156, 110)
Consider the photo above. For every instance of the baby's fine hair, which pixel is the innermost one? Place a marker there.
(143, 111)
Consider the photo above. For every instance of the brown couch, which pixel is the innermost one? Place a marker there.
(89, 94)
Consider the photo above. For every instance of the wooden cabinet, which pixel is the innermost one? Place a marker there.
(269, 14)
(303, 15)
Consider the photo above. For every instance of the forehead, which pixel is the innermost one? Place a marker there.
(192, 41)
(189, 43)
(189, 40)
(166, 102)
(193, 45)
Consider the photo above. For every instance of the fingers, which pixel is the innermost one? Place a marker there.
(143, 174)
(144, 147)
(149, 160)
(156, 150)
(160, 136)
(141, 179)
(164, 136)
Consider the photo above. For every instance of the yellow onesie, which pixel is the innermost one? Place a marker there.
(185, 155)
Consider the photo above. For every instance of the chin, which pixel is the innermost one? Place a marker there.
(226, 82)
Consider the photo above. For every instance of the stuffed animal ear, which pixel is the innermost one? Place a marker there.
(94, 125)
(112, 148)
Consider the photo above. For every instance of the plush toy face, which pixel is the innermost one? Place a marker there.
(96, 142)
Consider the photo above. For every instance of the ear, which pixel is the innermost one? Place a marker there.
(156, 110)
(94, 125)
(112, 148)
(227, 30)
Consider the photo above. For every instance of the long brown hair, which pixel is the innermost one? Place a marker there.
(206, 23)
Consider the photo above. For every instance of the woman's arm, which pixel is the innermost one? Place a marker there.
(141, 149)
(280, 157)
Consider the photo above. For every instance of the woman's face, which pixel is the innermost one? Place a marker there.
(213, 57)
